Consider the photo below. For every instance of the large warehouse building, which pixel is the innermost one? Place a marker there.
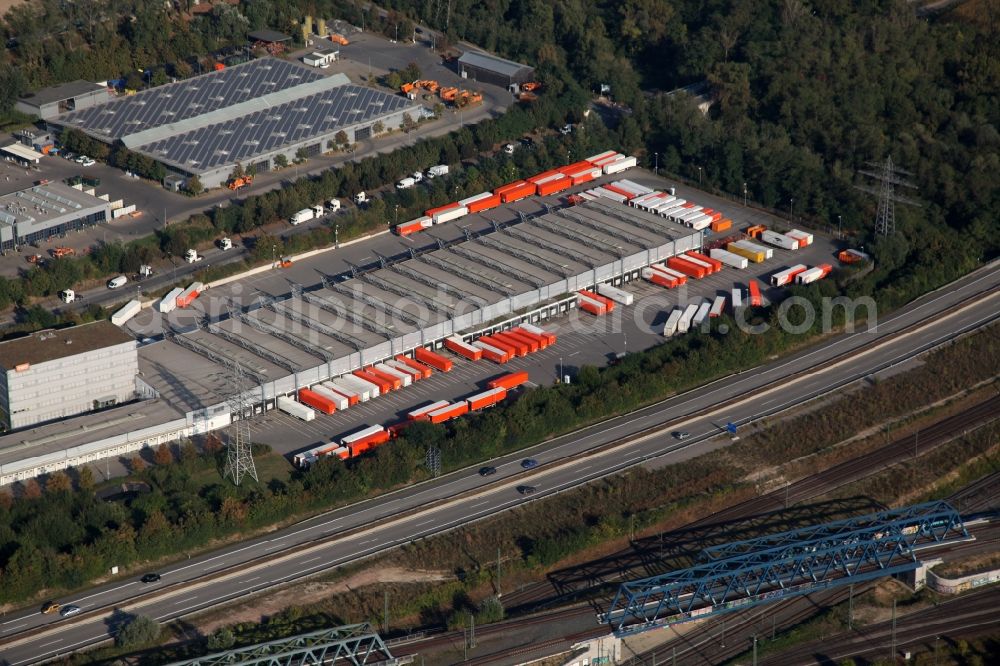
(58, 373)
(491, 69)
(527, 270)
(247, 114)
(47, 210)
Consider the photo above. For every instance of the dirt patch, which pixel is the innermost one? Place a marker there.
(7, 4)
(260, 607)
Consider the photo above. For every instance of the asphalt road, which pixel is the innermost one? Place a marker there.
(424, 509)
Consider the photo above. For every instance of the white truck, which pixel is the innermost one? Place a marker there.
(360, 198)
(226, 244)
(67, 295)
(437, 170)
(119, 281)
(417, 176)
(303, 215)
(191, 256)
(405, 184)
(333, 205)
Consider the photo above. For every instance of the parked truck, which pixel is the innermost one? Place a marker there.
(405, 184)
(619, 296)
(293, 408)
(301, 216)
(437, 170)
(192, 256)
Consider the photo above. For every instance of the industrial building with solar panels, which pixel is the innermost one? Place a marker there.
(247, 114)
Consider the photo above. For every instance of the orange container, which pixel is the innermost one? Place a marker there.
(523, 347)
(520, 192)
(383, 385)
(509, 381)
(484, 204)
(686, 267)
(432, 359)
(393, 380)
(714, 263)
(316, 401)
(554, 186)
(449, 412)
(533, 343)
(722, 225)
(424, 371)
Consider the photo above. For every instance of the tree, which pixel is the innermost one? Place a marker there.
(194, 186)
(221, 639)
(30, 489)
(341, 139)
(280, 162)
(378, 127)
(408, 122)
(163, 455)
(137, 464)
(85, 479)
(58, 482)
(140, 631)
(237, 172)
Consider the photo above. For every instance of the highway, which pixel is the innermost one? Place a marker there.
(354, 532)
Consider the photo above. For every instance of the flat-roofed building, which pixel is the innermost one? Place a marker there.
(491, 69)
(46, 210)
(53, 374)
(50, 102)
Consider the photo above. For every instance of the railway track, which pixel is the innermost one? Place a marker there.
(972, 614)
(541, 595)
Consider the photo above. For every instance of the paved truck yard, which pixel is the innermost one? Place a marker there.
(298, 325)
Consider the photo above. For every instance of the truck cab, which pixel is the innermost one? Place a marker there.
(225, 243)
(360, 198)
(67, 295)
(191, 256)
(333, 205)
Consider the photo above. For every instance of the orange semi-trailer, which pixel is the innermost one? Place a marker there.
(520, 348)
(486, 398)
(686, 267)
(449, 412)
(395, 381)
(714, 263)
(540, 340)
(316, 401)
(506, 347)
(509, 381)
(424, 371)
(533, 343)
(459, 346)
(432, 359)
(531, 328)
(517, 193)
(383, 385)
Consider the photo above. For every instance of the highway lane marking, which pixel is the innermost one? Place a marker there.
(473, 506)
(113, 589)
(232, 552)
(250, 580)
(185, 600)
(312, 559)
(16, 626)
(424, 523)
(58, 640)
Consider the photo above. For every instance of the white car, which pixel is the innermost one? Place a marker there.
(509, 149)
(88, 162)
(80, 159)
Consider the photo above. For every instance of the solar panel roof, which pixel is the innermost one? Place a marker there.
(187, 99)
(242, 138)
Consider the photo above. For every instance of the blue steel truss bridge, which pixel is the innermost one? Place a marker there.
(354, 644)
(769, 568)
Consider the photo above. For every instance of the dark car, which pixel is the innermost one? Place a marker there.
(526, 490)
(681, 434)
(529, 463)
(528, 142)
(151, 578)
(487, 471)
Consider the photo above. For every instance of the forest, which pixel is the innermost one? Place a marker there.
(805, 95)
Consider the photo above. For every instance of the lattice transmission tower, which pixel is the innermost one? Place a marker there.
(889, 177)
(239, 456)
